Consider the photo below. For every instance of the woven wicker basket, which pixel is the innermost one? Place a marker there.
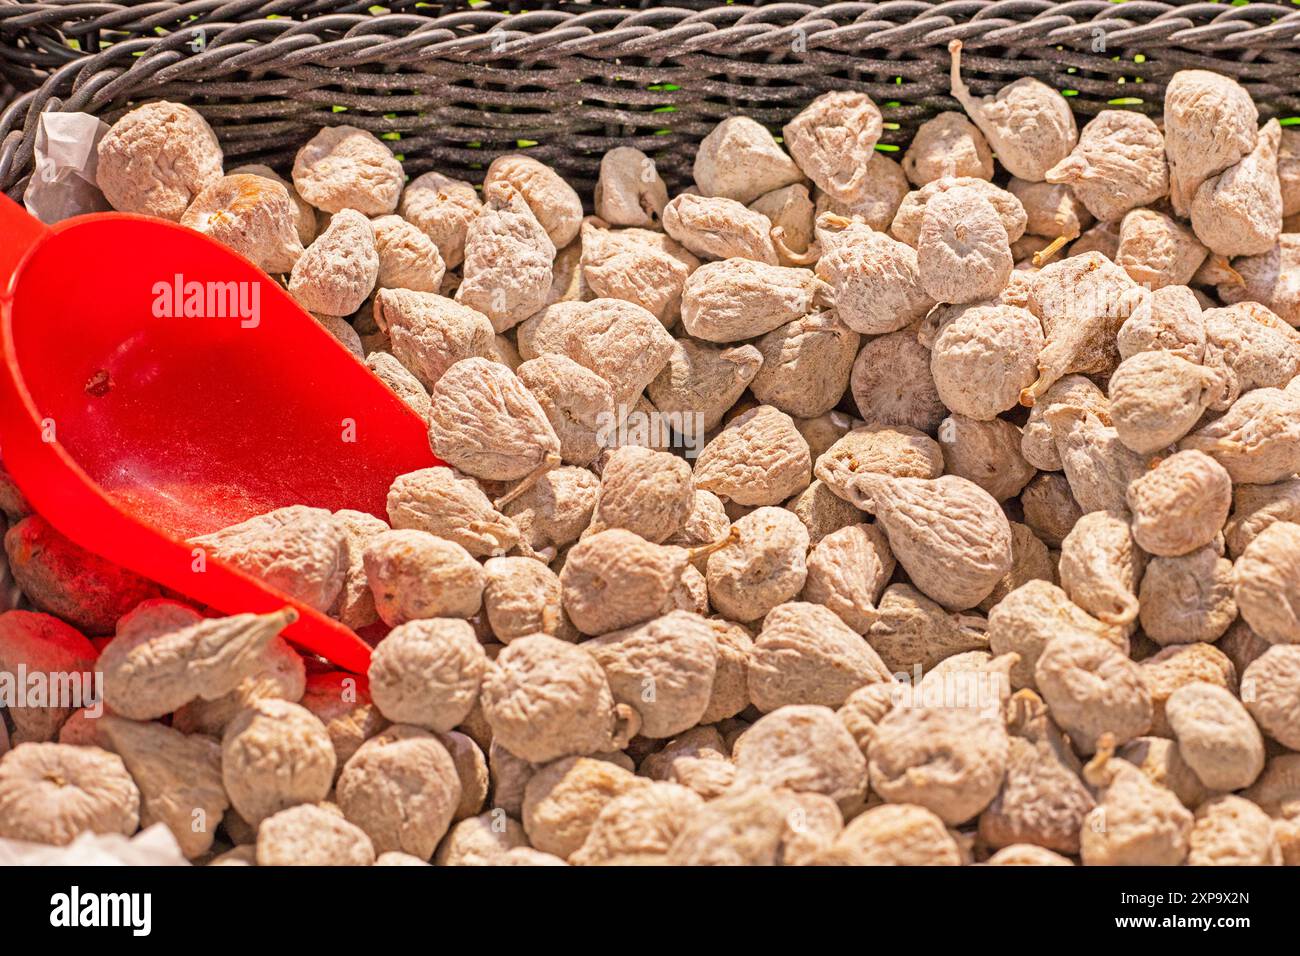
(452, 88)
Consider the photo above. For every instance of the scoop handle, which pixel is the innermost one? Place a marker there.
(19, 233)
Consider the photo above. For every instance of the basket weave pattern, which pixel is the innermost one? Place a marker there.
(454, 88)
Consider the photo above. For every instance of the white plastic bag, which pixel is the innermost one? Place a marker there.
(63, 182)
(154, 846)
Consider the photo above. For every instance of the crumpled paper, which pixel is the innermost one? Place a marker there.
(63, 182)
(154, 846)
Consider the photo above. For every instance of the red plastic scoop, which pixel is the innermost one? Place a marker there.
(131, 423)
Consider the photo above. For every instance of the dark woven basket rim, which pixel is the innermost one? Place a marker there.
(575, 79)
